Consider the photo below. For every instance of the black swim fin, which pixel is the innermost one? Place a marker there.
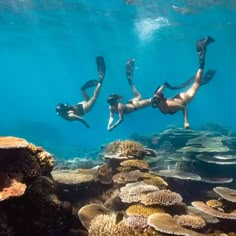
(129, 69)
(185, 84)
(208, 76)
(101, 67)
(89, 84)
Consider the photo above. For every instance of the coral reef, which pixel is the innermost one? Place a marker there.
(161, 197)
(192, 222)
(145, 211)
(166, 224)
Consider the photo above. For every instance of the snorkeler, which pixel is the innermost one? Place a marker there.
(179, 101)
(132, 105)
(76, 112)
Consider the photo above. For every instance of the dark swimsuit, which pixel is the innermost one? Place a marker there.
(173, 112)
(78, 109)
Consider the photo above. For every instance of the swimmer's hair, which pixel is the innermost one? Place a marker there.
(61, 106)
(113, 98)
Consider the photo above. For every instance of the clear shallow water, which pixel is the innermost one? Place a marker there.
(48, 51)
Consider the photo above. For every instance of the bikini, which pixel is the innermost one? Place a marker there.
(78, 109)
(170, 112)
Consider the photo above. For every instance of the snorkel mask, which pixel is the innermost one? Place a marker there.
(60, 108)
(156, 99)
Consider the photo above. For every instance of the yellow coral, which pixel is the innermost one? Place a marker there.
(135, 163)
(145, 211)
(154, 180)
(214, 203)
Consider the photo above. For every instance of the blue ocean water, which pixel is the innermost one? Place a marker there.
(48, 50)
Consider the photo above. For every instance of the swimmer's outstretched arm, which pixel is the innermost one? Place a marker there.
(110, 127)
(71, 115)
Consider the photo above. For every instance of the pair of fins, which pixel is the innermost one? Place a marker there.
(101, 69)
(208, 76)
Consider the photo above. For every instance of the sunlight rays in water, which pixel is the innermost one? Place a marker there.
(146, 28)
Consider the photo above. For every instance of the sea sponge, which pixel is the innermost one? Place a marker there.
(162, 197)
(127, 176)
(145, 211)
(136, 164)
(132, 192)
(166, 224)
(190, 221)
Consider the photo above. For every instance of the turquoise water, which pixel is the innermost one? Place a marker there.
(48, 50)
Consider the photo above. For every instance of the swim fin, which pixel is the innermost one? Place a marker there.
(208, 76)
(129, 69)
(183, 85)
(101, 67)
(89, 84)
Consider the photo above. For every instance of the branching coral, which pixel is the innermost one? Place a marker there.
(127, 176)
(161, 197)
(106, 225)
(127, 148)
(133, 192)
(189, 221)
